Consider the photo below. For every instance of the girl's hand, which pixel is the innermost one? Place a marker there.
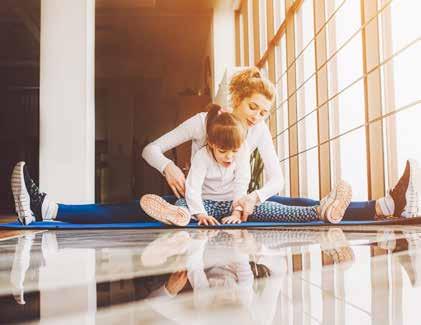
(247, 203)
(175, 179)
(231, 220)
(235, 217)
(206, 220)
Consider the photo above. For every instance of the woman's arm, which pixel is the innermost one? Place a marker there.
(153, 153)
(274, 180)
(242, 172)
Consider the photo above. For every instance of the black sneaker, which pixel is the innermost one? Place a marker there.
(36, 197)
(399, 191)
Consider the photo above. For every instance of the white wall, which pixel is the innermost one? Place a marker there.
(223, 31)
(67, 109)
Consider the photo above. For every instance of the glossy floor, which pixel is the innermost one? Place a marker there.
(353, 275)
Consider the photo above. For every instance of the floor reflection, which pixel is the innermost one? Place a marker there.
(271, 276)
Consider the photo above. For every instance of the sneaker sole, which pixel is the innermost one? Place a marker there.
(335, 211)
(159, 209)
(413, 194)
(21, 195)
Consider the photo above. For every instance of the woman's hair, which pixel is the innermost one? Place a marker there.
(262, 273)
(223, 129)
(247, 82)
(259, 270)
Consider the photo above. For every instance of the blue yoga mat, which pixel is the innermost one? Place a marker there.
(156, 225)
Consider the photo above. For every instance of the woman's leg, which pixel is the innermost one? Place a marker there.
(364, 210)
(101, 213)
(105, 213)
(270, 211)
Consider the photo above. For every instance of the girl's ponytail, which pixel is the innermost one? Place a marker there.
(223, 129)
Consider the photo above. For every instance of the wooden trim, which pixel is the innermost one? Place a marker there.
(290, 12)
(271, 63)
(322, 92)
(300, 97)
(256, 30)
(373, 100)
(237, 38)
(389, 97)
(292, 102)
(245, 14)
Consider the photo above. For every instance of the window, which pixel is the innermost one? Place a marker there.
(306, 101)
(401, 80)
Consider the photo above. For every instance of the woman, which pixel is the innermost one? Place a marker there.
(252, 98)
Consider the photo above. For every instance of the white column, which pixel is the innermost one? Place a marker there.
(67, 103)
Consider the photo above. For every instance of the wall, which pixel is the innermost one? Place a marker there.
(223, 30)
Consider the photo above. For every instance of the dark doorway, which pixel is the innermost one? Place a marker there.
(19, 91)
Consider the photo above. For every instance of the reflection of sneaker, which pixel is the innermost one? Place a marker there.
(159, 209)
(386, 239)
(170, 244)
(21, 195)
(333, 205)
(20, 266)
(411, 260)
(342, 256)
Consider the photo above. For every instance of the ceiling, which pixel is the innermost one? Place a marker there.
(133, 37)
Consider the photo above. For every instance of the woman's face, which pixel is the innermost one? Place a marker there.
(253, 109)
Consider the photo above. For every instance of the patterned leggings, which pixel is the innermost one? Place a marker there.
(265, 212)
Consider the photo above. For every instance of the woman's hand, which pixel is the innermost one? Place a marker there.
(247, 204)
(206, 220)
(176, 282)
(175, 179)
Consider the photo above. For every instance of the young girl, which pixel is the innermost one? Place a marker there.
(218, 176)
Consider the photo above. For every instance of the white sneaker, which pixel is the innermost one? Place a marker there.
(21, 195)
(159, 209)
(333, 206)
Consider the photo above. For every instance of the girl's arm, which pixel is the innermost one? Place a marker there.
(193, 128)
(274, 181)
(194, 183)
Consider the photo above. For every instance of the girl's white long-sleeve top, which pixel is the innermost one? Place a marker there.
(208, 180)
(194, 129)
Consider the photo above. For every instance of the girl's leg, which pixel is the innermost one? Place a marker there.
(216, 209)
(276, 212)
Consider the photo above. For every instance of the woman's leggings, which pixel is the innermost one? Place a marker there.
(132, 212)
(265, 212)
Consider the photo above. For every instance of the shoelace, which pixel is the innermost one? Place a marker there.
(36, 196)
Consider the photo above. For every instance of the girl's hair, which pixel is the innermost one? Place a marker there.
(247, 82)
(223, 129)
